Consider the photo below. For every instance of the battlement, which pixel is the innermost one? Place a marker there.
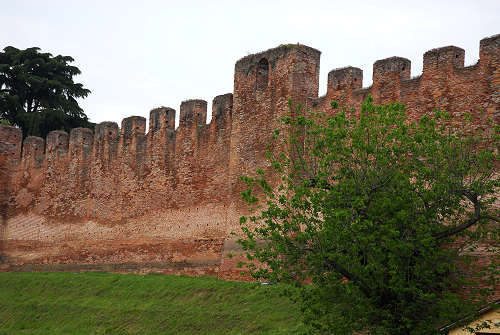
(11, 139)
(132, 126)
(443, 67)
(222, 107)
(346, 77)
(160, 119)
(104, 143)
(57, 143)
(106, 132)
(193, 112)
(80, 142)
(488, 47)
(445, 59)
(33, 151)
(249, 64)
(390, 69)
(139, 186)
(106, 139)
(289, 69)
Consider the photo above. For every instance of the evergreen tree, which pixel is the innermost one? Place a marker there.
(37, 92)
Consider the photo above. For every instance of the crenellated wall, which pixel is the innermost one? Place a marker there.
(166, 200)
(444, 84)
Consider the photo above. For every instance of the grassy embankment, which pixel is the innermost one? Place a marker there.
(104, 303)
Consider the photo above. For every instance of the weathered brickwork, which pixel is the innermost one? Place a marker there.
(120, 199)
(444, 84)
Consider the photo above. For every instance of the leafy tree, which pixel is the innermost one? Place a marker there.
(380, 215)
(37, 91)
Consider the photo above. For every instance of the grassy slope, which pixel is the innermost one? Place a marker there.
(102, 303)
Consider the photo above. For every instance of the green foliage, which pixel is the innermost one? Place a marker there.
(381, 215)
(104, 303)
(37, 92)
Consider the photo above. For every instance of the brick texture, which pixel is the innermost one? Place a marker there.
(124, 200)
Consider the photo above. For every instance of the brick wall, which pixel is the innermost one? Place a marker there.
(124, 200)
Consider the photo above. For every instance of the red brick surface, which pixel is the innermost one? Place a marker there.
(124, 200)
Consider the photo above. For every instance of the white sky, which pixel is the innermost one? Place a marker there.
(138, 55)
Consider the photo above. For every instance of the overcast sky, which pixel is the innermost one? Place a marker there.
(138, 55)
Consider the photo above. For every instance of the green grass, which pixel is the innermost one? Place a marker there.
(104, 303)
